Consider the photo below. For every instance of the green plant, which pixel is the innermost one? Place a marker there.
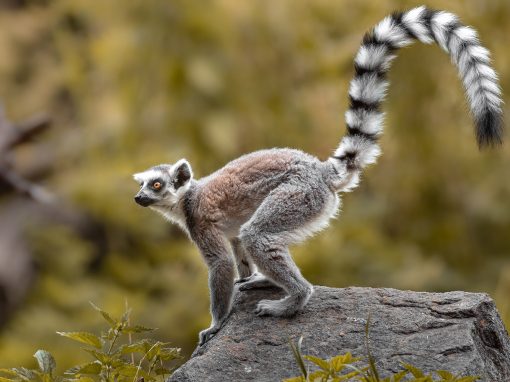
(116, 358)
(342, 368)
(329, 370)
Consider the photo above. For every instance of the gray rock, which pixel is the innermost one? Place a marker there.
(457, 331)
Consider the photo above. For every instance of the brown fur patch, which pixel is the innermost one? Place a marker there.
(235, 191)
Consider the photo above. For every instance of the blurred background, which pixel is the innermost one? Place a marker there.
(93, 91)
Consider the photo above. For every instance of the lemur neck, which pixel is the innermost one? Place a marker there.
(181, 212)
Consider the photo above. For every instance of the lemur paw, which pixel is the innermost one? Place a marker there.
(207, 334)
(266, 308)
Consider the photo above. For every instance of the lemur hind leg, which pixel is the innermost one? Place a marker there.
(287, 215)
(245, 267)
(249, 278)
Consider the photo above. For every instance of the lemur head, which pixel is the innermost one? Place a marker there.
(164, 185)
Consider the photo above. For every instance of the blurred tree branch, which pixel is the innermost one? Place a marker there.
(12, 136)
(17, 266)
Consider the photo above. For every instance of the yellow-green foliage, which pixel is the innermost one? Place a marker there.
(116, 356)
(347, 368)
(132, 83)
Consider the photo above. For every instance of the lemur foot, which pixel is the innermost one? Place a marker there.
(277, 308)
(256, 280)
(207, 334)
(286, 307)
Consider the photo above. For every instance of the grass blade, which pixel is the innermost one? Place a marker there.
(296, 350)
(371, 361)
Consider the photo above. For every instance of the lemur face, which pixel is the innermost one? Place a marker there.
(162, 186)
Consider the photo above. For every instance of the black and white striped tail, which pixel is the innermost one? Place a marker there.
(367, 90)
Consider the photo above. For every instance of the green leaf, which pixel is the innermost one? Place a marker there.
(154, 350)
(26, 374)
(338, 363)
(83, 337)
(8, 372)
(83, 378)
(324, 365)
(151, 349)
(125, 316)
(110, 334)
(88, 368)
(318, 375)
(142, 347)
(417, 373)
(104, 358)
(445, 374)
(345, 377)
(362, 372)
(46, 361)
(137, 329)
(3, 379)
(168, 354)
(127, 370)
(105, 315)
(162, 371)
(295, 379)
(399, 376)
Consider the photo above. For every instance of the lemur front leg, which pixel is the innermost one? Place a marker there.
(214, 248)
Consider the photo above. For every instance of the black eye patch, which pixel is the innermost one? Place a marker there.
(156, 184)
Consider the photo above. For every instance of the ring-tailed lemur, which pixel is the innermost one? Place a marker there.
(259, 204)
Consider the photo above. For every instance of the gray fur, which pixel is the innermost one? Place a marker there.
(245, 267)
(254, 281)
(244, 216)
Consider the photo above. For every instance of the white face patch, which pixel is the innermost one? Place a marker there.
(143, 177)
(163, 186)
(159, 177)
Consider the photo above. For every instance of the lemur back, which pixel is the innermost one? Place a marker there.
(245, 215)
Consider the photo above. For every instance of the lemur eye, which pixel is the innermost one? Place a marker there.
(156, 185)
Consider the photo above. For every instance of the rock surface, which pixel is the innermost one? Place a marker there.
(457, 331)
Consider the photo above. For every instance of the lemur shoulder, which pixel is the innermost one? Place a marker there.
(244, 216)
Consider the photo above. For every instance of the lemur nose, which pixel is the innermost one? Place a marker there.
(143, 200)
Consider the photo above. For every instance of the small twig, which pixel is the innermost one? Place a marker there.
(130, 339)
(15, 135)
(24, 131)
(26, 187)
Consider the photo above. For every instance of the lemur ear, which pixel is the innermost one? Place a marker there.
(138, 177)
(182, 173)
